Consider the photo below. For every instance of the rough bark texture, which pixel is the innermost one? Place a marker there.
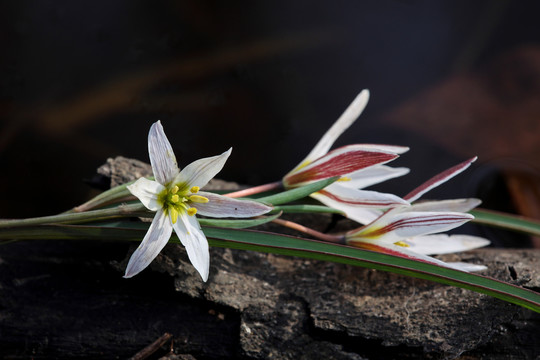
(68, 300)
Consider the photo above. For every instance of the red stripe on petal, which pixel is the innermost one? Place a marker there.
(385, 250)
(413, 222)
(438, 179)
(350, 201)
(338, 165)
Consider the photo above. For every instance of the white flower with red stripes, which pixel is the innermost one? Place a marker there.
(358, 166)
(413, 231)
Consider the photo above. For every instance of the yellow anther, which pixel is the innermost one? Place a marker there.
(174, 215)
(344, 178)
(402, 243)
(175, 189)
(191, 211)
(175, 198)
(195, 189)
(198, 199)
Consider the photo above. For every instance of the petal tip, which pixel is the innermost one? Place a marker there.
(130, 273)
(364, 94)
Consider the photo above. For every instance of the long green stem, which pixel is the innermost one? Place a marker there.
(116, 194)
(76, 217)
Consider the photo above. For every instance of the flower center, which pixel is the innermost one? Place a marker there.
(175, 201)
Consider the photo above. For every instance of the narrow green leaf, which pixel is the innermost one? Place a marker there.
(287, 245)
(128, 210)
(298, 193)
(506, 221)
(238, 223)
(282, 244)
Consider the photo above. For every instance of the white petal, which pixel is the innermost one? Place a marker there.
(373, 175)
(336, 195)
(445, 244)
(200, 172)
(362, 215)
(190, 234)
(396, 149)
(406, 253)
(346, 119)
(465, 266)
(162, 156)
(222, 206)
(396, 226)
(147, 192)
(456, 205)
(367, 204)
(155, 239)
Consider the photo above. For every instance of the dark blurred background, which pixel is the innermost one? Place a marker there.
(83, 81)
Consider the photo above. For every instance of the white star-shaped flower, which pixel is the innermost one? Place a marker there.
(175, 197)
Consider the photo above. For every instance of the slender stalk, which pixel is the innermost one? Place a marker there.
(255, 190)
(75, 217)
(107, 202)
(116, 194)
(319, 235)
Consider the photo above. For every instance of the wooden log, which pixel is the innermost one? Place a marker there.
(63, 299)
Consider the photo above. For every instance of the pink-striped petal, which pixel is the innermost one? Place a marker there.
(154, 241)
(161, 154)
(338, 162)
(455, 205)
(437, 180)
(200, 172)
(221, 206)
(191, 236)
(396, 226)
(438, 244)
(348, 117)
(404, 252)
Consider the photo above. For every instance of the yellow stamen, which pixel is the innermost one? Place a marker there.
(345, 178)
(191, 211)
(402, 243)
(175, 189)
(174, 215)
(195, 189)
(198, 199)
(175, 198)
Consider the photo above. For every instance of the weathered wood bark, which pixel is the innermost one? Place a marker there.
(69, 300)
